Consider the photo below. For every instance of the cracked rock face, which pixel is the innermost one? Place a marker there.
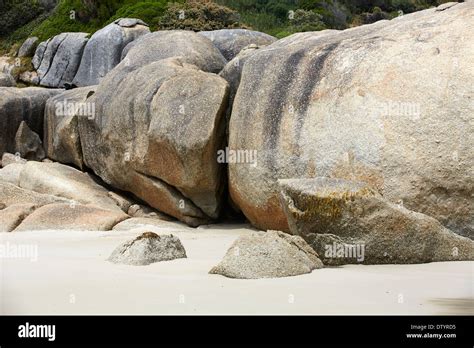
(58, 59)
(350, 222)
(363, 104)
(148, 248)
(160, 119)
(270, 254)
(104, 49)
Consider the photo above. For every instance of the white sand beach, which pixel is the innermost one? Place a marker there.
(71, 276)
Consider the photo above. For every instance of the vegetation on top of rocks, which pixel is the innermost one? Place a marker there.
(199, 15)
(275, 17)
(149, 11)
(23, 18)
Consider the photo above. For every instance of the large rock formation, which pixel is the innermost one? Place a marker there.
(148, 248)
(349, 222)
(17, 105)
(58, 59)
(268, 254)
(389, 104)
(158, 127)
(61, 133)
(104, 49)
(231, 41)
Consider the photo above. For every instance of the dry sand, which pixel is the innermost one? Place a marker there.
(71, 276)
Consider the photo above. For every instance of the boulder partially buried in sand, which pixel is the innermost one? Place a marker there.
(271, 254)
(148, 248)
(349, 222)
(76, 217)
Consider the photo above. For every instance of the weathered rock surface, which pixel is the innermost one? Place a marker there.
(334, 215)
(13, 215)
(268, 254)
(77, 217)
(28, 144)
(6, 80)
(17, 105)
(231, 41)
(11, 173)
(58, 58)
(64, 181)
(156, 134)
(11, 194)
(233, 69)
(190, 47)
(104, 49)
(61, 134)
(8, 158)
(28, 47)
(232, 73)
(148, 248)
(39, 54)
(364, 104)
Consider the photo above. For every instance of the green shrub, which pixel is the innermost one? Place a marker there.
(306, 21)
(148, 11)
(198, 15)
(16, 13)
